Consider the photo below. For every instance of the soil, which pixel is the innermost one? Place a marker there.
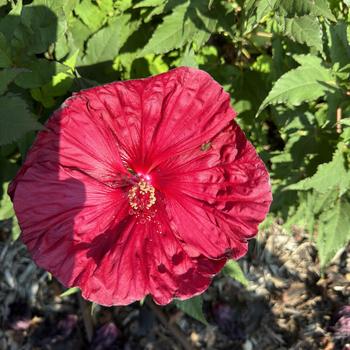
(289, 304)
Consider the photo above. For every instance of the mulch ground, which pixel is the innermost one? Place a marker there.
(289, 304)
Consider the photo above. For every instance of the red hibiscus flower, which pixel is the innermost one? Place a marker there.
(141, 187)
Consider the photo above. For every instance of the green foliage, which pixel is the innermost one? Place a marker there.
(328, 177)
(339, 44)
(6, 209)
(106, 43)
(5, 56)
(7, 76)
(233, 270)
(69, 291)
(304, 30)
(284, 60)
(328, 203)
(305, 83)
(192, 307)
(333, 230)
(302, 7)
(16, 119)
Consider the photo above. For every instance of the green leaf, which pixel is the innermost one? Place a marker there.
(40, 29)
(292, 8)
(191, 21)
(57, 9)
(94, 308)
(59, 86)
(15, 119)
(339, 45)
(172, 33)
(329, 176)
(189, 59)
(193, 307)
(264, 7)
(304, 30)
(106, 6)
(321, 8)
(71, 61)
(16, 7)
(305, 83)
(16, 230)
(68, 6)
(8, 25)
(7, 76)
(6, 207)
(202, 19)
(153, 11)
(123, 5)
(78, 33)
(69, 291)
(25, 142)
(333, 230)
(38, 73)
(303, 216)
(233, 270)
(149, 3)
(5, 54)
(156, 65)
(90, 14)
(106, 43)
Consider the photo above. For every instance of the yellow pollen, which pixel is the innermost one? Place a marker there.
(142, 196)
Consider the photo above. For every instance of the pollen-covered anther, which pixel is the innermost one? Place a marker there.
(142, 196)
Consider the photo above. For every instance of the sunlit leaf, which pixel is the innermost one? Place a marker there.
(69, 291)
(233, 270)
(90, 14)
(329, 176)
(304, 7)
(6, 208)
(105, 44)
(305, 83)
(193, 307)
(304, 30)
(333, 230)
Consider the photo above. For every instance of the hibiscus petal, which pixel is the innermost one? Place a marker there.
(83, 234)
(217, 197)
(163, 115)
(66, 208)
(144, 259)
(78, 139)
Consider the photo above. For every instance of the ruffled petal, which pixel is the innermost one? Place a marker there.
(76, 138)
(163, 115)
(140, 259)
(83, 234)
(72, 187)
(216, 196)
(60, 210)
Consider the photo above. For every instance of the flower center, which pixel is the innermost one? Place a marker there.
(141, 196)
